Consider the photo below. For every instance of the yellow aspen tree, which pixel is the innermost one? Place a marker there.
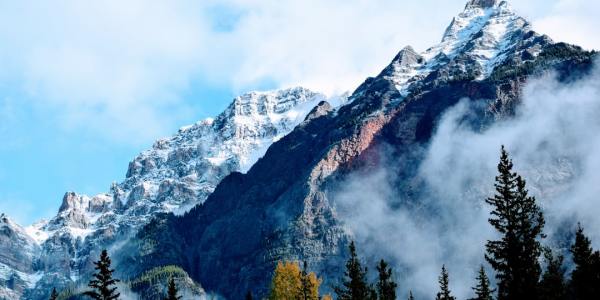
(292, 283)
(286, 282)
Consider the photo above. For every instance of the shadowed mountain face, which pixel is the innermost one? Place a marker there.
(178, 173)
(282, 208)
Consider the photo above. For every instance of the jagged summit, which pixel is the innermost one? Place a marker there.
(483, 3)
(486, 32)
(277, 207)
(176, 174)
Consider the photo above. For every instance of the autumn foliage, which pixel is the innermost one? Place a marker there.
(290, 282)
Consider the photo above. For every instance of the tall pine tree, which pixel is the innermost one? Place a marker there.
(308, 285)
(249, 295)
(519, 220)
(585, 278)
(103, 284)
(354, 284)
(552, 285)
(172, 290)
(410, 296)
(444, 293)
(483, 291)
(386, 287)
(54, 294)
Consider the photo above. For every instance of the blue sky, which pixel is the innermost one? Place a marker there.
(85, 86)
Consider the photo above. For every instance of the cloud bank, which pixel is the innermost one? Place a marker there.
(125, 70)
(554, 143)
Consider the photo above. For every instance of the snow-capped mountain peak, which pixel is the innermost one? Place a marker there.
(176, 174)
(483, 3)
(485, 32)
(181, 171)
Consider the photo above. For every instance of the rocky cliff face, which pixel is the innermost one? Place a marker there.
(176, 174)
(227, 198)
(281, 208)
(17, 259)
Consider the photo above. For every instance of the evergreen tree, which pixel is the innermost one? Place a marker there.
(519, 220)
(309, 286)
(444, 281)
(249, 295)
(103, 284)
(483, 291)
(54, 294)
(386, 287)
(585, 278)
(172, 290)
(552, 285)
(410, 296)
(354, 284)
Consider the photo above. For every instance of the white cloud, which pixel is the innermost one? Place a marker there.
(572, 21)
(554, 143)
(120, 68)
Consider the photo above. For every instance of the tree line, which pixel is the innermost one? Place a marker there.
(103, 286)
(515, 258)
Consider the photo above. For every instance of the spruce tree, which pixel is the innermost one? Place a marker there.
(354, 284)
(307, 286)
(585, 278)
(249, 295)
(519, 220)
(552, 285)
(444, 293)
(483, 291)
(54, 294)
(103, 284)
(410, 296)
(386, 287)
(172, 290)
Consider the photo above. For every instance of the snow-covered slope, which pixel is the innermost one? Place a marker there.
(479, 38)
(181, 171)
(17, 255)
(178, 173)
(251, 221)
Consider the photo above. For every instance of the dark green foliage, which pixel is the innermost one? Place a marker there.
(585, 279)
(444, 293)
(249, 295)
(519, 220)
(386, 287)
(552, 285)
(354, 284)
(306, 285)
(158, 274)
(483, 291)
(172, 290)
(103, 284)
(54, 294)
(550, 55)
(150, 284)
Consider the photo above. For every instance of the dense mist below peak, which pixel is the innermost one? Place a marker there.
(554, 142)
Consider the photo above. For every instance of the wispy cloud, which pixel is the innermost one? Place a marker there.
(121, 69)
(554, 143)
(573, 21)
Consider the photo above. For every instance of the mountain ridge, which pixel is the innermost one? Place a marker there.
(176, 174)
(278, 203)
(252, 220)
